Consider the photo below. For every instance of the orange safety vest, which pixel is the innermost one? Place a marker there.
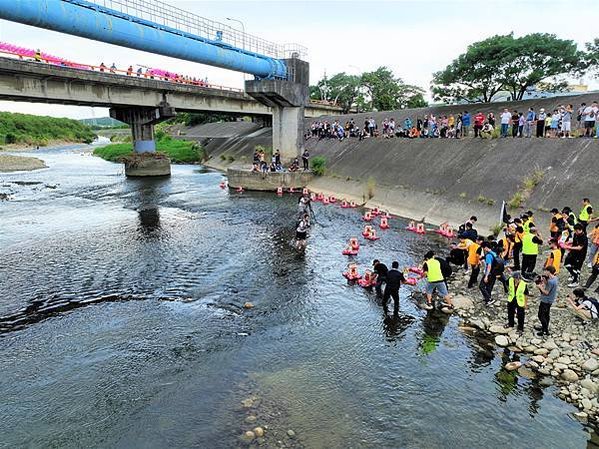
(556, 261)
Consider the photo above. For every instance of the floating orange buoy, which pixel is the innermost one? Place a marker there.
(344, 204)
(320, 197)
(291, 190)
(353, 242)
(367, 230)
(332, 199)
(375, 211)
(280, 191)
(305, 191)
(372, 235)
(223, 185)
(368, 280)
(352, 204)
(352, 272)
(420, 228)
(239, 189)
(367, 216)
(325, 200)
(384, 223)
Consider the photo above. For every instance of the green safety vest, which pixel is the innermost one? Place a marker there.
(529, 247)
(584, 213)
(527, 226)
(433, 272)
(517, 293)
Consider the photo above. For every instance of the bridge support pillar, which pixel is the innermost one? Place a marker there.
(144, 162)
(288, 99)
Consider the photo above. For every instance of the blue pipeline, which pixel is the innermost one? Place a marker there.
(92, 21)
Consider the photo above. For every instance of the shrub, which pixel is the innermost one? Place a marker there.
(231, 158)
(516, 200)
(319, 165)
(223, 157)
(371, 187)
(495, 230)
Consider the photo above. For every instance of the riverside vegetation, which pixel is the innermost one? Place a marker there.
(34, 130)
(178, 151)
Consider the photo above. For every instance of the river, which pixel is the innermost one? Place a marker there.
(121, 326)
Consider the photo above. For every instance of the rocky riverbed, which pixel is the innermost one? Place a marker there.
(568, 358)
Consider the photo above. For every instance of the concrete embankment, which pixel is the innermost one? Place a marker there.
(440, 179)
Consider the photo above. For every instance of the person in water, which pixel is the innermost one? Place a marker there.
(381, 271)
(435, 281)
(301, 232)
(392, 284)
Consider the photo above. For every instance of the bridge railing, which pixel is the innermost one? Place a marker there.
(166, 77)
(161, 13)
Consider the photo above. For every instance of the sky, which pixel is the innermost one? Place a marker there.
(413, 38)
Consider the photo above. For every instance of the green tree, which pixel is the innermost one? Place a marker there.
(342, 89)
(388, 92)
(504, 62)
(539, 57)
(474, 75)
(591, 58)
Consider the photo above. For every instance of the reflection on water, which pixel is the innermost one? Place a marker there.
(122, 325)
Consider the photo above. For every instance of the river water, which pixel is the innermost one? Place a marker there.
(121, 326)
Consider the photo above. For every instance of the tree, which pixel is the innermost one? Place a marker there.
(591, 58)
(341, 89)
(475, 75)
(387, 92)
(504, 62)
(539, 57)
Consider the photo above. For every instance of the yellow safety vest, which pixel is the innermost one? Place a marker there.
(529, 247)
(517, 293)
(433, 272)
(584, 213)
(526, 226)
(557, 260)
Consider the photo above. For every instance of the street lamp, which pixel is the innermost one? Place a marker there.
(242, 35)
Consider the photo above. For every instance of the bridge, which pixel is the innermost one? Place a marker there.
(22, 80)
(279, 88)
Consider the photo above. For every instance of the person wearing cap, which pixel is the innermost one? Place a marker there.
(516, 301)
(541, 123)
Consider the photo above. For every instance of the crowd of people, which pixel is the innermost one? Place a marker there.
(260, 163)
(510, 259)
(563, 122)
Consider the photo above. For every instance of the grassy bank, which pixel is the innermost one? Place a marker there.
(178, 151)
(39, 130)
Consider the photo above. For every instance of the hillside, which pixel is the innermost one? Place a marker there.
(103, 122)
(40, 130)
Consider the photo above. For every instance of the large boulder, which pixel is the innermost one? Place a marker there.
(590, 365)
(569, 376)
(462, 302)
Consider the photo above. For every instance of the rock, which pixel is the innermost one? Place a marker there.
(581, 416)
(502, 340)
(249, 436)
(536, 341)
(526, 372)
(247, 403)
(511, 366)
(569, 376)
(585, 393)
(447, 310)
(496, 329)
(538, 358)
(478, 324)
(544, 371)
(554, 353)
(549, 345)
(291, 433)
(546, 382)
(251, 419)
(589, 385)
(560, 366)
(514, 348)
(565, 336)
(541, 351)
(564, 359)
(586, 404)
(248, 305)
(533, 364)
(590, 365)
(530, 348)
(462, 302)
(595, 351)
(259, 432)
